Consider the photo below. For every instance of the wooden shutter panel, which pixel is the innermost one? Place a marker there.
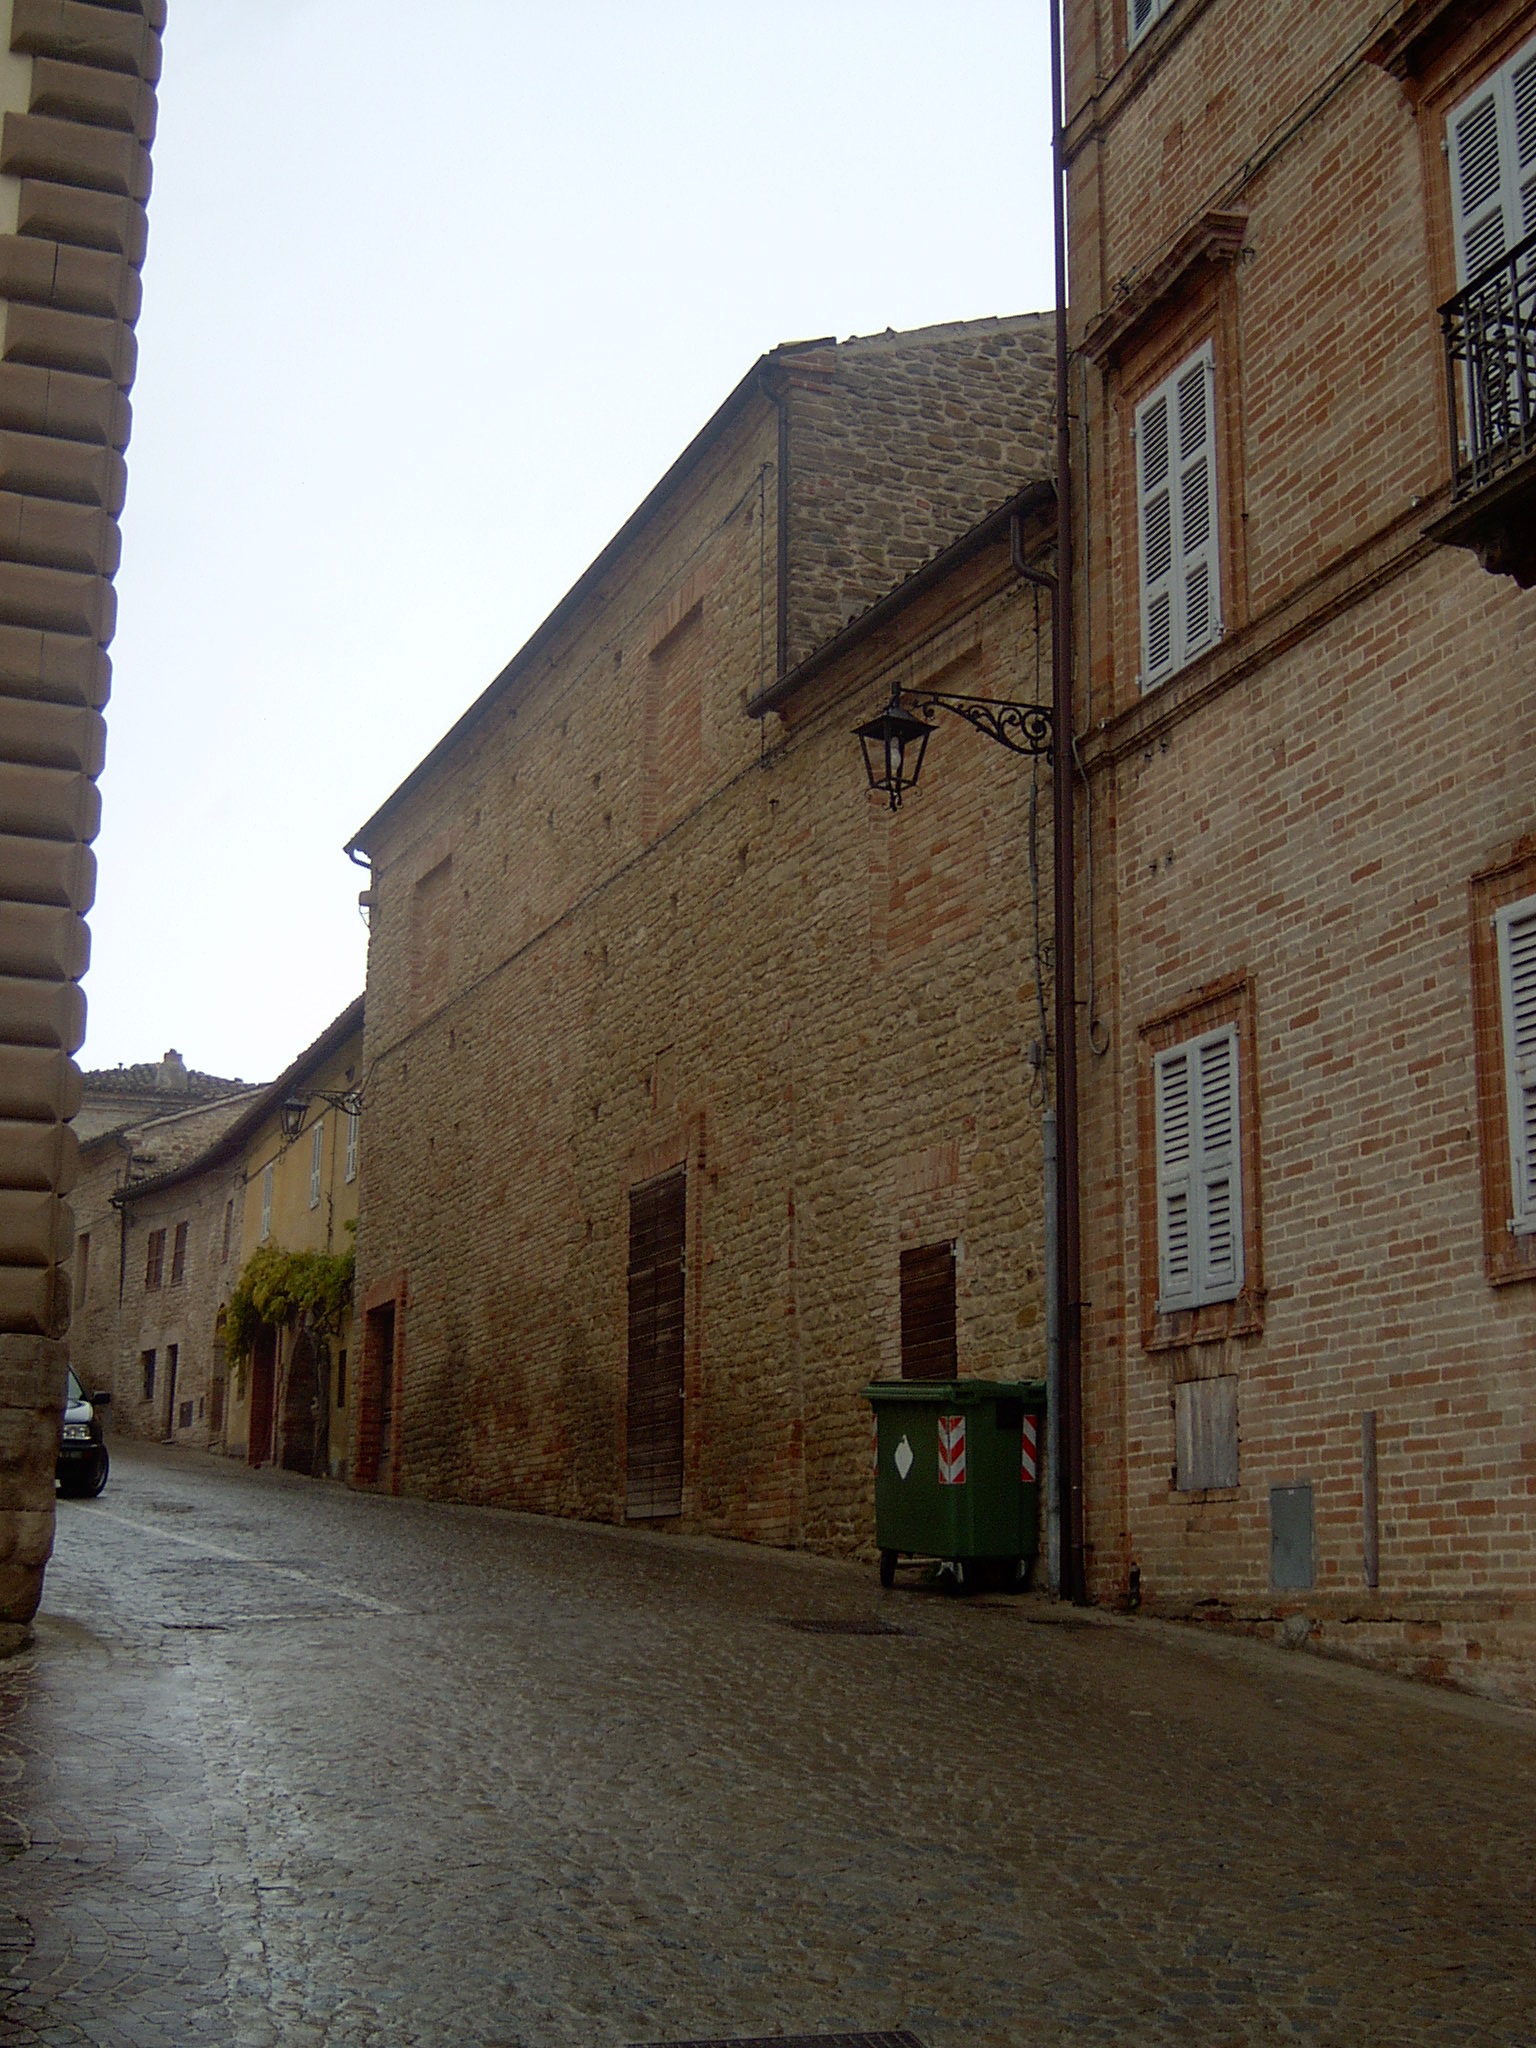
(1477, 183)
(1516, 929)
(1492, 139)
(1142, 14)
(1175, 1147)
(1198, 616)
(1154, 498)
(928, 1347)
(1220, 1236)
(1522, 107)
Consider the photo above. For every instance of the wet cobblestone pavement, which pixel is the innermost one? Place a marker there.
(292, 1765)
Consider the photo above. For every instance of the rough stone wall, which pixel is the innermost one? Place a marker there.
(821, 1009)
(77, 93)
(181, 1312)
(139, 1150)
(94, 1271)
(1303, 811)
(899, 443)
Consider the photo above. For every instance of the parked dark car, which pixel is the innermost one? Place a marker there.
(83, 1464)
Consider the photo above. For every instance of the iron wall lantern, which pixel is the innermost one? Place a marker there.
(292, 1115)
(896, 740)
(894, 743)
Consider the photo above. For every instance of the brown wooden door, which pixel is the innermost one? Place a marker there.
(928, 1313)
(658, 1213)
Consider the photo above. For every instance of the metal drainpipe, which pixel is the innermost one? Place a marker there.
(1068, 1249)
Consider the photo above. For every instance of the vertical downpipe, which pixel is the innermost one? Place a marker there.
(1052, 1360)
(1063, 772)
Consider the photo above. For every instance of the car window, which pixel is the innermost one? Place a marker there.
(76, 1393)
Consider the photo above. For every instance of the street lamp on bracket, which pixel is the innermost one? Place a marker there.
(296, 1107)
(896, 739)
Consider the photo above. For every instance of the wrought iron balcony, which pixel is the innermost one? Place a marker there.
(1489, 330)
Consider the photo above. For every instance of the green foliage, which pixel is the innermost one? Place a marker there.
(278, 1286)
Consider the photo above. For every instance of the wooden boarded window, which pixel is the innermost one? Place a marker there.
(179, 1256)
(928, 1349)
(658, 1212)
(154, 1258)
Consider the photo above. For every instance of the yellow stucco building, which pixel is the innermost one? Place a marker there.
(289, 1397)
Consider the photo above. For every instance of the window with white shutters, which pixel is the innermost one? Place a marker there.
(266, 1202)
(1176, 516)
(1491, 139)
(351, 1166)
(1199, 1172)
(1515, 927)
(316, 1151)
(1140, 15)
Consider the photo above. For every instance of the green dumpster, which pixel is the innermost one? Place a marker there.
(957, 1471)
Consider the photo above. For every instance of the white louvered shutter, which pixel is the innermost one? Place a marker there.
(1198, 616)
(1140, 16)
(1176, 512)
(1492, 139)
(1199, 1172)
(1219, 1237)
(1154, 501)
(1516, 929)
(1175, 1146)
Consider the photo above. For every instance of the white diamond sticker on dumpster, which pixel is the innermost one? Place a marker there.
(904, 1460)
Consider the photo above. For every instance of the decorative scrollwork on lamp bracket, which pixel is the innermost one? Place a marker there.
(896, 739)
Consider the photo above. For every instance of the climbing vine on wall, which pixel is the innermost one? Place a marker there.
(277, 1286)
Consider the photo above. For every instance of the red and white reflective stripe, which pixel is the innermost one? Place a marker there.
(951, 1450)
(1029, 1445)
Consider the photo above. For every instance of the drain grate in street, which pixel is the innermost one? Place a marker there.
(837, 1625)
(902, 2040)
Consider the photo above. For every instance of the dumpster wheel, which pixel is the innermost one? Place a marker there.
(888, 1568)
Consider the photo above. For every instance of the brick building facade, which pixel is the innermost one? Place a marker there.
(1309, 744)
(678, 1039)
(77, 116)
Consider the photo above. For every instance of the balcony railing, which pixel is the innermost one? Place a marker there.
(1490, 369)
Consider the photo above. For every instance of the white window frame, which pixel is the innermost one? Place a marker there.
(1199, 1171)
(1178, 539)
(316, 1162)
(1515, 933)
(353, 1120)
(1508, 196)
(1140, 16)
(266, 1201)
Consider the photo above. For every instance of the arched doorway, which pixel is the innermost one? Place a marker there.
(301, 1405)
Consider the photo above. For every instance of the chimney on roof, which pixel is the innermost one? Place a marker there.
(172, 1077)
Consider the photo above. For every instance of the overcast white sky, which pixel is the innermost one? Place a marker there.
(433, 297)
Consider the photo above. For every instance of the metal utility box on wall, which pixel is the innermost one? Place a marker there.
(1290, 1538)
(957, 1469)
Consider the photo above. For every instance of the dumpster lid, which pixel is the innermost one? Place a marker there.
(956, 1393)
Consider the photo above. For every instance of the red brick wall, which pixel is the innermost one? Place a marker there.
(1305, 806)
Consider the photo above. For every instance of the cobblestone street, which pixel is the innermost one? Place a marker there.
(288, 1764)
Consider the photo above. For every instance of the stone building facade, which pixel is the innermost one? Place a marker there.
(77, 116)
(678, 1039)
(121, 1145)
(1309, 738)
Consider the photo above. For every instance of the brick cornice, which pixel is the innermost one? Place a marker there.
(1214, 239)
